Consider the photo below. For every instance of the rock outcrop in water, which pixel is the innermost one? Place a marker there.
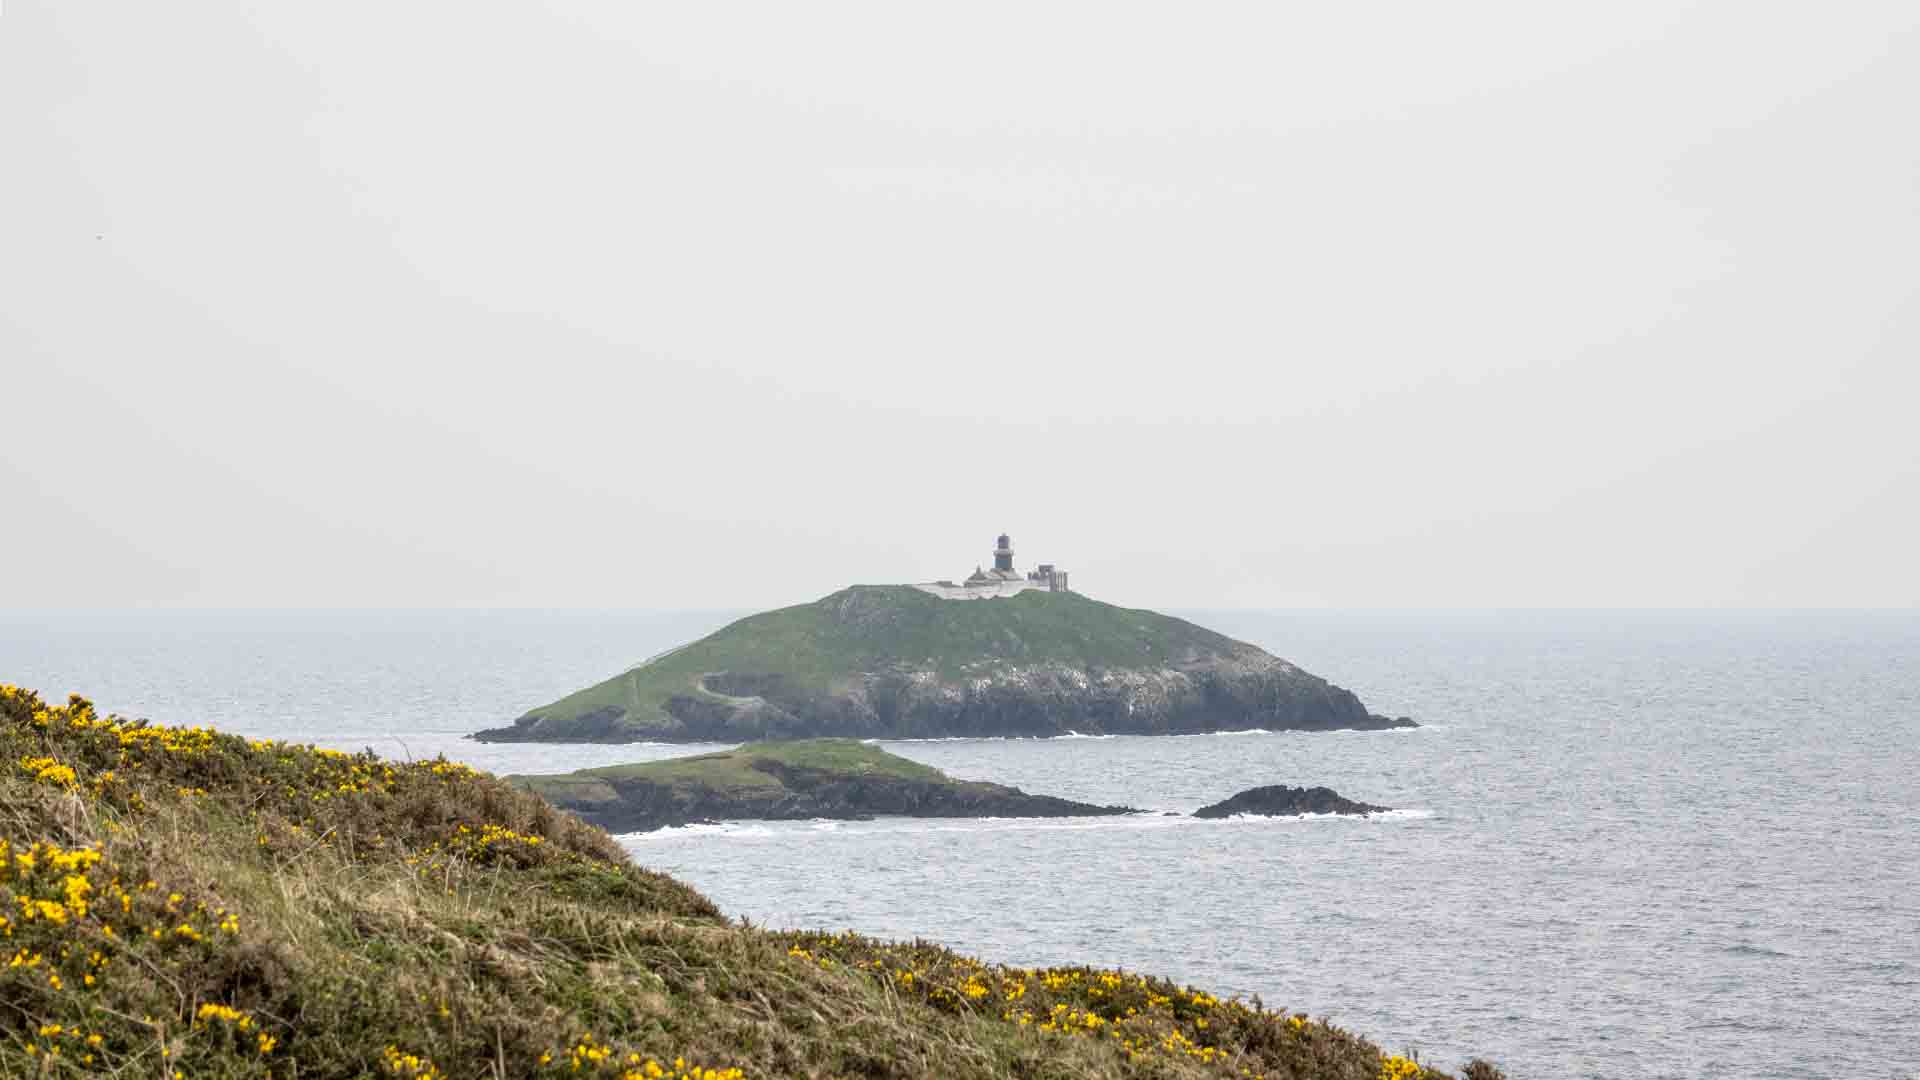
(1280, 800)
(785, 781)
(894, 662)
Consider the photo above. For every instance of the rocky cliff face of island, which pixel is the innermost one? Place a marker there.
(884, 662)
(1038, 700)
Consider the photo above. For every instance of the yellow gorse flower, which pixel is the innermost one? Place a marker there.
(225, 1014)
(411, 1065)
(49, 770)
(1395, 1067)
(592, 1057)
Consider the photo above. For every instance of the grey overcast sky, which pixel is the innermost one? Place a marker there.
(615, 304)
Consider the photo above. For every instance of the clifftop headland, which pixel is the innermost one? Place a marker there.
(893, 661)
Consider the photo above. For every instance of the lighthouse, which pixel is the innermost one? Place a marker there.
(1002, 580)
(1003, 554)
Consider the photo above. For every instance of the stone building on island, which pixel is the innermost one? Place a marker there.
(1002, 580)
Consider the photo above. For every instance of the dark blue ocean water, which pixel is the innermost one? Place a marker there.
(1630, 845)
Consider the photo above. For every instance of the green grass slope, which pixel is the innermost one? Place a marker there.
(818, 646)
(783, 781)
(181, 903)
(734, 771)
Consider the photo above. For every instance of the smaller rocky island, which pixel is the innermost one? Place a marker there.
(786, 781)
(1279, 800)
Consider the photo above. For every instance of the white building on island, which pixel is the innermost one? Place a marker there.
(1002, 580)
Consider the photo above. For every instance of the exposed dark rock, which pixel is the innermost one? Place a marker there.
(1236, 693)
(1280, 800)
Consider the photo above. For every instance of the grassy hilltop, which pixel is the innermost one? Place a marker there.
(794, 780)
(820, 645)
(732, 772)
(183, 903)
(890, 660)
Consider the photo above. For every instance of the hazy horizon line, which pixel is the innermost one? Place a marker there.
(582, 610)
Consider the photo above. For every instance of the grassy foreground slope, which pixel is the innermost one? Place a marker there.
(182, 903)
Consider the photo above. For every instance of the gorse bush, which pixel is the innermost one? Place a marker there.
(182, 903)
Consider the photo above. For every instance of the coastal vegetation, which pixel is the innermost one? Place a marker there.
(182, 903)
(890, 660)
(805, 778)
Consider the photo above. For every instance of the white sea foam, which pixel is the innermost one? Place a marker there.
(1075, 824)
(943, 738)
(730, 830)
(1260, 819)
(1278, 819)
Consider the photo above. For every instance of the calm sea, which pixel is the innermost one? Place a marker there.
(1629, 845)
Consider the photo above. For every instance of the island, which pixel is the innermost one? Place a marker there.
(998, 655)
(1279, 800)
(785, 781)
